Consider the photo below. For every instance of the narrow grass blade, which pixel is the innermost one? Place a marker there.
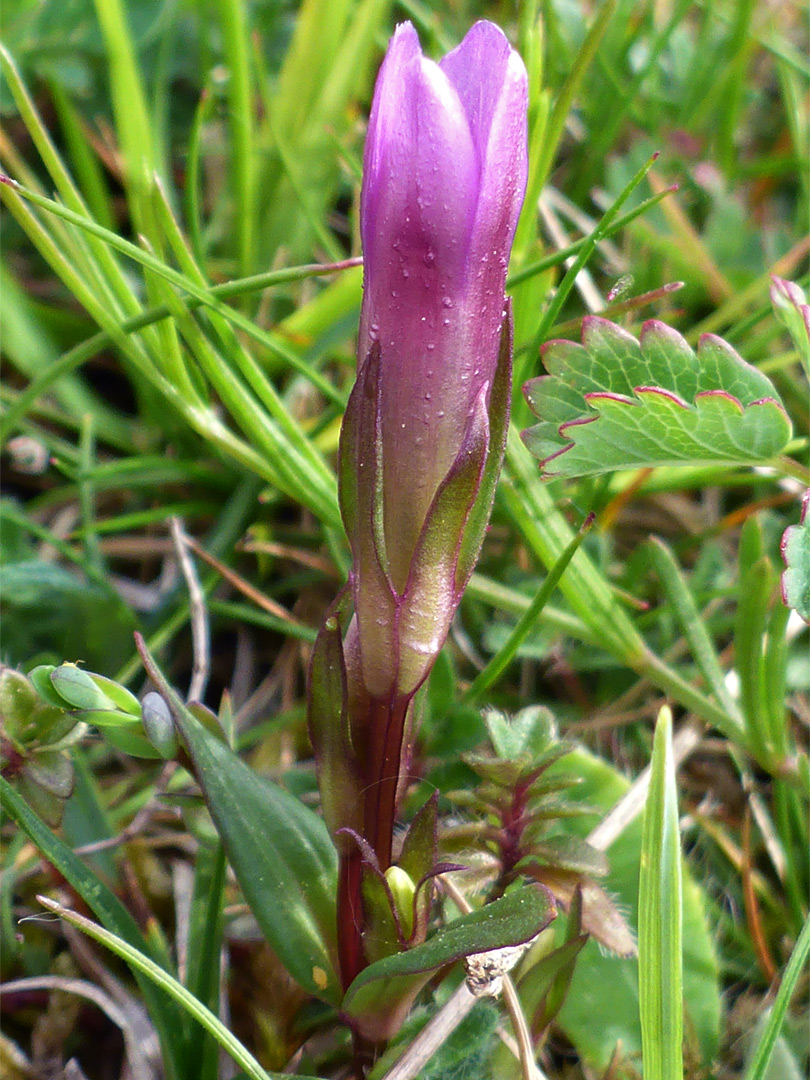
(86, 350)
(692, 627)
(204, 946)
(194, 1008)
(603, 135)
(132, 120)
(547, 534)
(101, 268)
(585, 252)
(562, 106)
(555, 258)
(85, 163)
(660, 954)
(528, 620)
(235, 36)
(107, 907)
(795, 967)
(193, 173)
(203, 294)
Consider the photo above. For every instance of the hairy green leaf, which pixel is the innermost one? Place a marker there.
(513, 919)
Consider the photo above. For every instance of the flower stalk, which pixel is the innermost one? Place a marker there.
(424, 433)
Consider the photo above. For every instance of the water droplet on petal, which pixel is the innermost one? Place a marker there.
(446, 301)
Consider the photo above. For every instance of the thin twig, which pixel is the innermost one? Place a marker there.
(138, 823)
(441, 1026)
(584, 281)
(437, 1030)
(524, 1049)
(238, 582)
(139, 1064)
(200, 632)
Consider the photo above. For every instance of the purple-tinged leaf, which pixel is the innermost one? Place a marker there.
(327, 718)
(380, 996)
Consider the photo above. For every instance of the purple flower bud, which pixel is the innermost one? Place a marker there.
(444, 177)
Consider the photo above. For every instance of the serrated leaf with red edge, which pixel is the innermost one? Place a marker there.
(615, 402)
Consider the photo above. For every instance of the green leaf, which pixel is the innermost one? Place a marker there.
(618, 403)
(660, 917)
(40, 677)
(129, 741)
(44, 803)
(78, 689)
(111, 718)
(796, 965)
(26, 719)
(420, 852)
(420, 847)
(280, 851)
(694, 630)
(567, 853)
(52, 770)
(282, 856)
(340, 781)
(122, 698)
(169, 985)
(529, 733)
(608, 986)
(158, 725)
(206, 921)
(512, 920)
(796, 553)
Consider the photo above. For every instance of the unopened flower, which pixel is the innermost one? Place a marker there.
(444, 177)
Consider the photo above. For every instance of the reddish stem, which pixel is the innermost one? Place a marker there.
(386, 729)
(350, 917)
